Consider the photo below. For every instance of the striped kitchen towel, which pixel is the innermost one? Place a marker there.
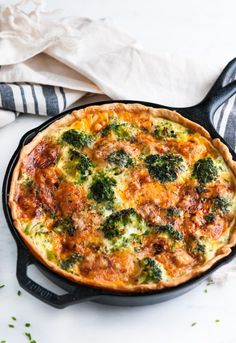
(48, 64)
(225, 119)
(48, 100)
(45, 100)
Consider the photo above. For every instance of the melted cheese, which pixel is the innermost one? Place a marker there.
(65, 221)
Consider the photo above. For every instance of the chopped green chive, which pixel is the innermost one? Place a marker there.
(217, 321)
(28, 335)
(194, 323)
(11, 326)
(13, 318)
(33, 341)
(19, 293)
(205, 290)
(27, 325)
(2, 286)
(3, 342)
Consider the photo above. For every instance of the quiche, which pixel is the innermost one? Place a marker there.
(125, 197)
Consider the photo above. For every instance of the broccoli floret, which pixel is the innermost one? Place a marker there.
(114, 226)
(77, 139)
(120, 159)
(64, 226)
(79, 166)
(122, 131)
(28, 183)
(170, 231)
(209, 218)
(119, 244)
(221, 204)
(164, 131)
(164, 168)
(52, 214)
(196, 248)
(101, 188)
(150, 271)
(205, 171)
(200, 248)
(70, 261)
(172, 212)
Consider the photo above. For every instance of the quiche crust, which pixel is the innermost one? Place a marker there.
(115, 284)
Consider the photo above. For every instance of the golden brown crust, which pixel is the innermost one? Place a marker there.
(69, 119)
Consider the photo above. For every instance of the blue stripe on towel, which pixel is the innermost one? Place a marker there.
(64, 97)
(222, 111)
(8, 101)
(22, 92)
(230, 127)
(36, 105)
(51, 100)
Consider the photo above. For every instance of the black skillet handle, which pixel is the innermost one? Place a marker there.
(222, 90)
(80, 293)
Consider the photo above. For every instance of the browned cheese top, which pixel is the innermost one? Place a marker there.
(124, 199)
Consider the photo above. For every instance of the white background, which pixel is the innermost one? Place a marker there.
(188, 27)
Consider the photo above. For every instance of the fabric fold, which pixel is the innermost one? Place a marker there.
(50, 63)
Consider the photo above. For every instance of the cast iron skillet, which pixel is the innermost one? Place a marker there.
(202, 114)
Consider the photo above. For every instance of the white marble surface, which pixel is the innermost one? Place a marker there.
(188, 27)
